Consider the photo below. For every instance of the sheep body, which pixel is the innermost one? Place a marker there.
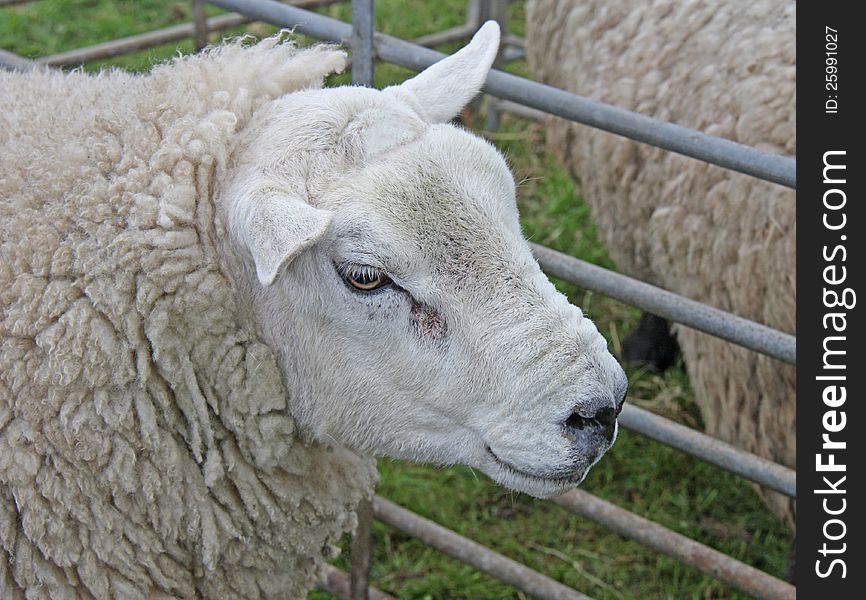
(138, 407)
(710, 234)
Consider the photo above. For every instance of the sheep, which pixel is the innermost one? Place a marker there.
(710, 234)
(225, 289)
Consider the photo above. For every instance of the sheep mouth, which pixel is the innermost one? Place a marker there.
(572, 479)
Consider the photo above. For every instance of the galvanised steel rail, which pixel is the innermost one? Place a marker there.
(472, 553)
(361, 551)
(138, 42)
(711, 149)
(200, 24)
(709, 449)
(721, 566)
(142, 41)
(663, 303)
(363, 70)
(337, 583)
(14, 62)
(363, 52)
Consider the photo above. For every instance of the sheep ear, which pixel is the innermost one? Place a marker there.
(277, 228)
(443, 89)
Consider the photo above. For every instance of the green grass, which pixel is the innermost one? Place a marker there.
(678, 491)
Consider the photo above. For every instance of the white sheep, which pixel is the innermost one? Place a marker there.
(713, 235)
(223, 289)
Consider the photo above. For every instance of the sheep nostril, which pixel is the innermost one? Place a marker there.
(606, 416)
(575, 421)
(602, 422)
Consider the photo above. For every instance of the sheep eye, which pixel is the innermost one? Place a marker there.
(365, 279)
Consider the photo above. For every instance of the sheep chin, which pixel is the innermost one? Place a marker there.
(535, 485)
(532, 485)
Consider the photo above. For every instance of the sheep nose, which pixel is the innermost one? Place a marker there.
(603, 422)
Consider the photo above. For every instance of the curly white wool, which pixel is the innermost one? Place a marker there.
(138, 409)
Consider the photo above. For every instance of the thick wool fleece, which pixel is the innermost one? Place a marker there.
(146, 450)
(713, 235)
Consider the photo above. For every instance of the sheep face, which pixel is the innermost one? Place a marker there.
(387, 270)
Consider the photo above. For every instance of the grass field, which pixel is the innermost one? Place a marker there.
(680, 492)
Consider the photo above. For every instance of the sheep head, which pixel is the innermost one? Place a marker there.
(382, 255)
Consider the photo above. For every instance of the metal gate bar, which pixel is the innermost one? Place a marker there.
(461, 32)
(14, 62)
(669, 305)
(361, 551)
(137, 42)
(686, 550)
(472, 553)
(200, 24)
(336, 583)
(143, 41)
(363, 69)
(709, 449)
(363, 53)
